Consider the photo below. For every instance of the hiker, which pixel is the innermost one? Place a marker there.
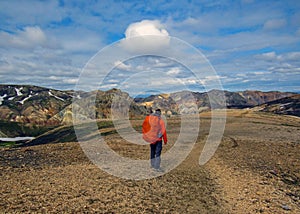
(154, 131)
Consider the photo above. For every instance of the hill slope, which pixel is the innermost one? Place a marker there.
(287, 105)
(32, 104)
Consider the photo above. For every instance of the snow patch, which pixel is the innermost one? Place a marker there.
(77, 96)
(22, 101)
(11, 139)
(18, 90)
(282, 106)
(285, 104)
(2, 98)
(59, 98)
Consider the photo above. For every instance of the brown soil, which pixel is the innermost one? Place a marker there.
(256, 169)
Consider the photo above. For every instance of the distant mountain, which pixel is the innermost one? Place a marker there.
(254, 98)
(287, 105)
(43, 106)
(172, 102)
(119, 102)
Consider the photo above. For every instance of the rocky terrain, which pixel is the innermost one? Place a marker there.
(254, 170)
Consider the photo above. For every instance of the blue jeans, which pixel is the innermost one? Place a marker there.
(155, 154)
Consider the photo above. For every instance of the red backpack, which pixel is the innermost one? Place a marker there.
(151, 128)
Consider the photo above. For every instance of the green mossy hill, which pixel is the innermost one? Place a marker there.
(65, 134)
(15, 129)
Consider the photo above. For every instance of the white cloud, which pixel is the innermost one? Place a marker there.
(261, 72)
(173, 71)
(77, 40)
(122, 66)
(71, 81)
(285, 68)
(285, 57)
(29, 37)
(145, 28)
(146, 35)
(271, 65)
(156, 82)
(268, 56)
(54, 78)
(108, 86)
(274, 24)
(293, 56)
(160, 62)
(54, 57)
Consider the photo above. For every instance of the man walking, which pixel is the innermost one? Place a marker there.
(154, 132)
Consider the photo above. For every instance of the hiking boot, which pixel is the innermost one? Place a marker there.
(158, 170)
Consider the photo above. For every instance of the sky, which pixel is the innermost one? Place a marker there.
(250, 45)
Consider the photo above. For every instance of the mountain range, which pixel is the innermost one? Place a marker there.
(44, 106)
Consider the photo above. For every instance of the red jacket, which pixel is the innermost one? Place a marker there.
(154, 129)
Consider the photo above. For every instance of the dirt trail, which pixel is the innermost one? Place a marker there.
(257, 165)
(250, 193)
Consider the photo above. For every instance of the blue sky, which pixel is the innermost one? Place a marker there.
(251, 44)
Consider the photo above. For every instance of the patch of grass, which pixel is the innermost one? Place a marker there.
(15, 129)
(105, 124)
(7, 144)
(59, 135)
(109, 133)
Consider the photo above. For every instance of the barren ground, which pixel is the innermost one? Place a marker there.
(256, 169)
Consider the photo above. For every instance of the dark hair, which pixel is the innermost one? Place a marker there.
(158, 111)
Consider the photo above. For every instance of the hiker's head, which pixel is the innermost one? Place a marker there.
(158, 111)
